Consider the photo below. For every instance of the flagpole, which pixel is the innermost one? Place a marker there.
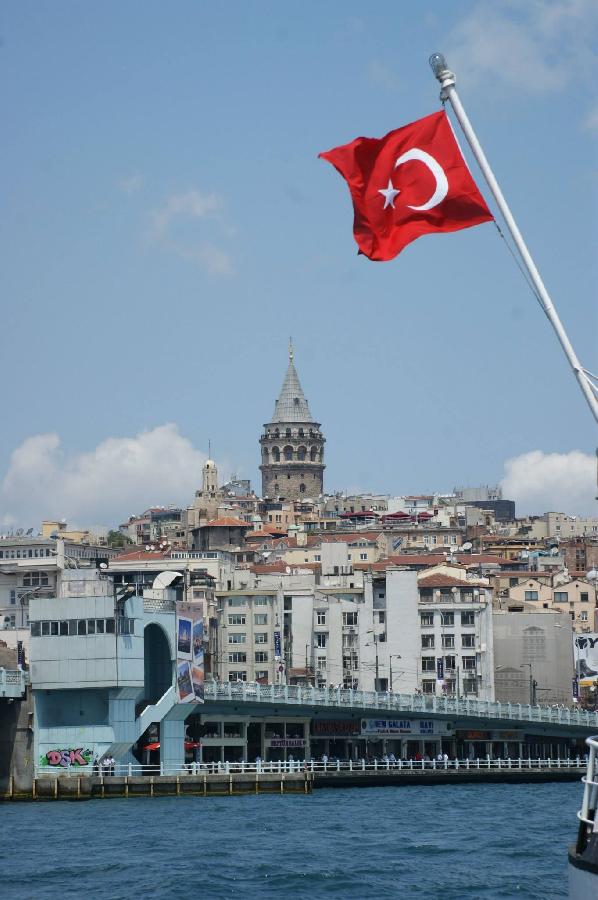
(449, 92)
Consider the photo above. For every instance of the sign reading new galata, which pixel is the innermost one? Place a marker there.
(404, 726)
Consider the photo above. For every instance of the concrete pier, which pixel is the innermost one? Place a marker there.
(81, 787)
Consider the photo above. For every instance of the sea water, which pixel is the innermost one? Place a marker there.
(449, 842)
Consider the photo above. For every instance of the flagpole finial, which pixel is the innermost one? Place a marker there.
(291, 351)
(442, 72)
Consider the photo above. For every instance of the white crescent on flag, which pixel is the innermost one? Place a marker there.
(436, 170)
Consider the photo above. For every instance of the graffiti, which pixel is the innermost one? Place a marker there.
(66, 758)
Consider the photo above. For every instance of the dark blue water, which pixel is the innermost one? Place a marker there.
(448, 842)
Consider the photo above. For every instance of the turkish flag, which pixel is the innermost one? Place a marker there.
(412, 182)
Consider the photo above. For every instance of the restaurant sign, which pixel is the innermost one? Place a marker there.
(335, 726)
(286, 742)
(404, 726)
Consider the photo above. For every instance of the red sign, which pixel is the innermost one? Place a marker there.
(335, 726)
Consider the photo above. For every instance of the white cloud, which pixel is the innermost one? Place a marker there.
(185, 224)
(383, 76)
(190, 205)
(551, 482)
(105, 485)
(534, 47)
(132, 184)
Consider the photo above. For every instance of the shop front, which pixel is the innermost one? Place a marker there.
(405, 738)
(336, 738)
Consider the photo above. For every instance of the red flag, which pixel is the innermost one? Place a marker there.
(411, 182)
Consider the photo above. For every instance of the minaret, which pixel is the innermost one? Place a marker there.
(292, 444)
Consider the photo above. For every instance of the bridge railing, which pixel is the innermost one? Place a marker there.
(12, 683)
(316, 767)
(397, 703)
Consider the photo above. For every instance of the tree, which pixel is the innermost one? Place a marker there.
(118, 539)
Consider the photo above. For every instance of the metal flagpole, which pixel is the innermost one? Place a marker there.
(586, 380)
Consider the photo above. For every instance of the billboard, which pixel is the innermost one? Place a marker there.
(585, 657)
(190, 652)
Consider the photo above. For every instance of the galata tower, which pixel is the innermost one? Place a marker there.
(292, 445)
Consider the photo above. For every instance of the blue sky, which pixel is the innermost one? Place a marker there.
(166, 225)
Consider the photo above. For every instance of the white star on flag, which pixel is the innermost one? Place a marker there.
(389, 194)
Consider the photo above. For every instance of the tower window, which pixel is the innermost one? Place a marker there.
(302, 452)
(301, 488)
(313, 453)
(275, 454)
(288, 452)
(288, 432)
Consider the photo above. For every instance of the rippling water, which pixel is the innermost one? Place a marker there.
(448, 842)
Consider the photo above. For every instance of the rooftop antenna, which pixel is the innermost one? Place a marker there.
(291, 351)
(209, 448)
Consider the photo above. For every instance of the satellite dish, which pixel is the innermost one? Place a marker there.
(288, 570)
(147, 547)
(466, 546)
(165, 579)
(103, 566)
(554, 551)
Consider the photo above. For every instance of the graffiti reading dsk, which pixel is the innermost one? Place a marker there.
(66, 758)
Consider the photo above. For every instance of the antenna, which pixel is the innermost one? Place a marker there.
(291, 351)
(209, 448)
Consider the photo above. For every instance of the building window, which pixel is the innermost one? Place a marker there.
(448, 618)
(513, 582)
(428, 687)
(468, 640)
(321, 617)
(561, 596)
(448, 641)
(428, 663)
(261, 637)
(237, 619)
(584, 597)
(261, 656)
(237, 676)
(260, 619)
(301, 488)
(428, 641)
(449, 662)
(321, 639)
(531, 595)
(236, 638)
(350, 618)
(468, 662)
(426, 619)
(237, 657)
(583, 615)
(261, 675)
(381, 617)
(237, 601)
(467, 619)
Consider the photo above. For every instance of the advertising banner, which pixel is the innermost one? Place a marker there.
(585, 656)
(277, 645)
(440, 668)
(190, 652)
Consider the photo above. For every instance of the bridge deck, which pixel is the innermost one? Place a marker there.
(571, 718)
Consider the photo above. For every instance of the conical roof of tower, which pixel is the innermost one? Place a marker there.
(291, 405)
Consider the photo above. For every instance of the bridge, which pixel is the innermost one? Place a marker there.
(257, 699)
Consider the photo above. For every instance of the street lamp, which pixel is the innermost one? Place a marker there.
(532, 683)
(376, 680)
(391, 657)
